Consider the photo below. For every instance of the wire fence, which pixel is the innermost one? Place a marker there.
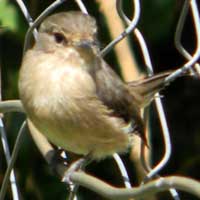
(149, 185)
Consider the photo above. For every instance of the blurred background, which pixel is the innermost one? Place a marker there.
(181, 99)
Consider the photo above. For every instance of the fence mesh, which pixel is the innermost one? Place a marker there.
(148, 162)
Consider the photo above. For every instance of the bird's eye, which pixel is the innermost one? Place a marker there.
(59, 37)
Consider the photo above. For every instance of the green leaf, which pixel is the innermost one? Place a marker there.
(12, 20)
(8, 16)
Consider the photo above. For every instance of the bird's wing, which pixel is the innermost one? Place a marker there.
(116, 96)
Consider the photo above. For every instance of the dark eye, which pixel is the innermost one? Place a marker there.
(59, 37)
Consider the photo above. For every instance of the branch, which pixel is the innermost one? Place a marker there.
(162, 184)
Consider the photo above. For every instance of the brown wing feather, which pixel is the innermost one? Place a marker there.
(116, 96)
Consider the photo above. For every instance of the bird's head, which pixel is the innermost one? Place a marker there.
(67, 29)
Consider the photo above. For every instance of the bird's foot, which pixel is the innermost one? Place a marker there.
(80, 164)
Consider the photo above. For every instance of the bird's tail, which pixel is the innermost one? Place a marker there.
(148, 87)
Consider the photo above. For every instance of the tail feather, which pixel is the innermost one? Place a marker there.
(148, 87)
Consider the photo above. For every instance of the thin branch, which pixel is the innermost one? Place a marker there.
(165, 130)
(104, 189)
(162, 184)
(42, 143)
(96, 185)
(160, 110)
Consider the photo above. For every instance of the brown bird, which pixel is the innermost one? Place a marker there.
(73, 97)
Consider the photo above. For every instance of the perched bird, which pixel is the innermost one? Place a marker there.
(73, 97)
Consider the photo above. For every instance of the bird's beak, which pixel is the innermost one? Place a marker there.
(87, 50)
(85, 44)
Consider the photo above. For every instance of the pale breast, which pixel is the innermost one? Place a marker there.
(61, 101)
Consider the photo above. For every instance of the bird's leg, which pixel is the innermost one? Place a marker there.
(80, 164)
(57, 162)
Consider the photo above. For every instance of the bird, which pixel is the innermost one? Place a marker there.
(73, 97)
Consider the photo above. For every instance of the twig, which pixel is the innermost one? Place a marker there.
(162, 184)
(165, 130)
(104, 189)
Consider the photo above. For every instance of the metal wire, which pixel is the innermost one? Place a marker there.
(27, 16)
(127, 31)
(160, 110)
(179, 30)
(8, 160)
(12, 161)
(165, 130)
(81, 6)
(28, 35)
(196, 55)
(123, 170)
(131, 26)
(32, 27)
(178, 34)
(39, 19)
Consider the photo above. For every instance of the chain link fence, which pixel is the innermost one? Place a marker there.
(151, 182)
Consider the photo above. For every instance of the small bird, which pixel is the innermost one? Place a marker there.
(71, 94)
